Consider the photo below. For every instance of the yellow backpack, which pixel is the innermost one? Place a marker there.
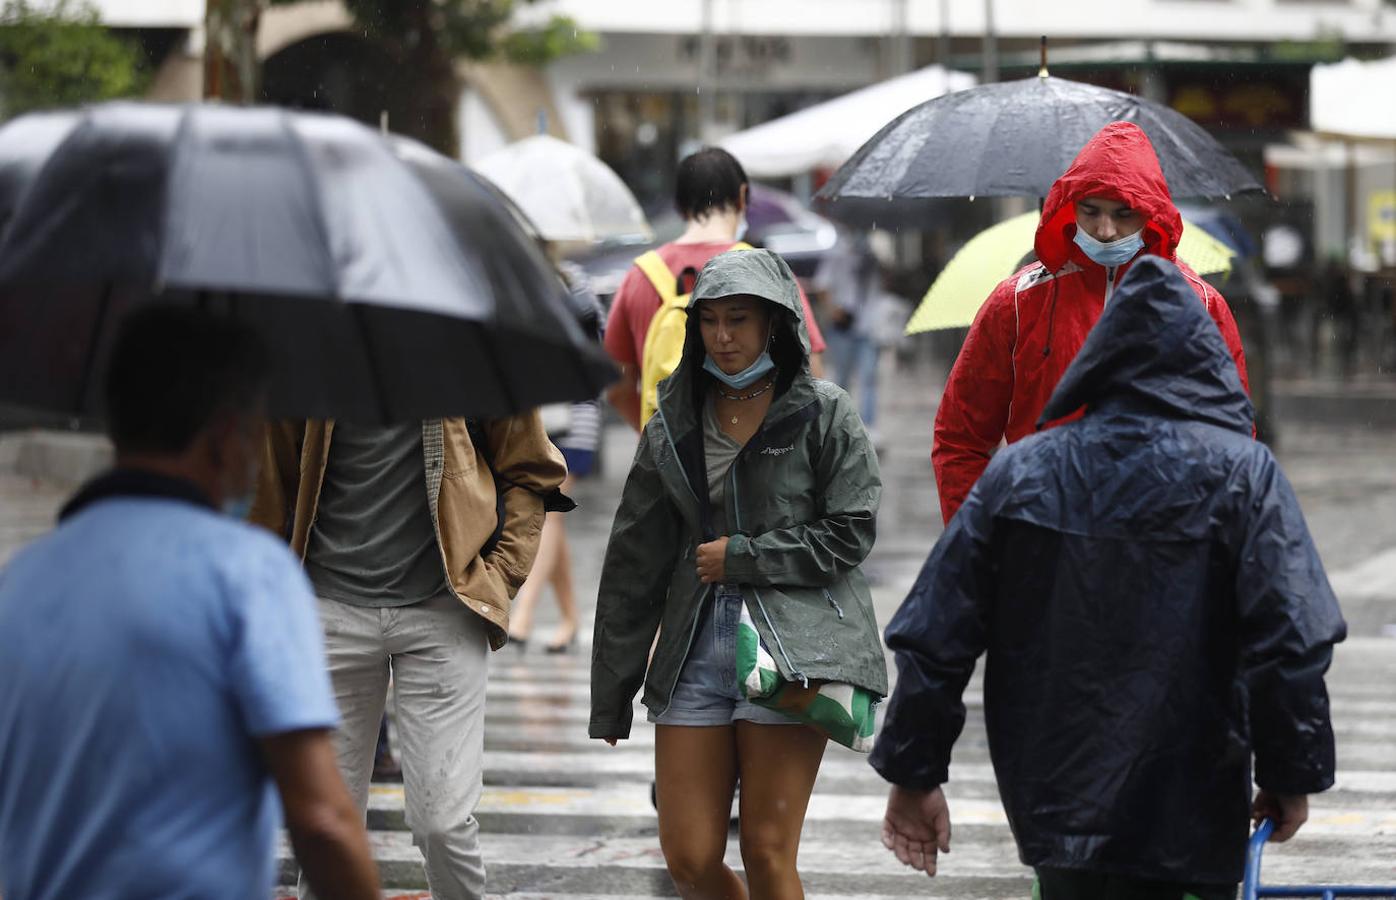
(664, 340)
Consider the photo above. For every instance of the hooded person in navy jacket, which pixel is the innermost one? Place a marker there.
(1155, 619)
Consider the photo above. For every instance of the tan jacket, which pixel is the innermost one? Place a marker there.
(460, 494)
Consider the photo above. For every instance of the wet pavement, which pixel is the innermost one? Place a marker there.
(563, 816)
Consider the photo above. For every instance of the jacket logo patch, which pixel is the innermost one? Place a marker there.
(777, 451)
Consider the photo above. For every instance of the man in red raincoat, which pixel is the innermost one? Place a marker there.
(1111, 206)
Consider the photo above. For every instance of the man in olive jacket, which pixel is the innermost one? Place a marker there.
(397, 527)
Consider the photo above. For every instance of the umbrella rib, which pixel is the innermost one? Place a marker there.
(321, 220)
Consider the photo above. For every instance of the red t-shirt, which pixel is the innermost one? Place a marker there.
(637, 301)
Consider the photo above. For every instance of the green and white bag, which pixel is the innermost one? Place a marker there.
(842, 712)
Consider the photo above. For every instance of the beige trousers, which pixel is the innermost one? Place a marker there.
(437, 654)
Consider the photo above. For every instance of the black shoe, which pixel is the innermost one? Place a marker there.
(563, 647)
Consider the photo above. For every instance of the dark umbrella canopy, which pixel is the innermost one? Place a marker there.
(1015, 138)
(391, 283)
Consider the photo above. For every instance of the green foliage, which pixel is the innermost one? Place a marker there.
(1326, 47)
(473, 29)
(558, 38)
(59, 54)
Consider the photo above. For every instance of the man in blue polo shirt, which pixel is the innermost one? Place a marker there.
(161, 672)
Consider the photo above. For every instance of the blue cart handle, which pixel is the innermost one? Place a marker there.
(1252, 890)
(1249, 890)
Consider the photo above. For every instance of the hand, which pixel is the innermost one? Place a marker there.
(1287, 811)
(712, 561)
(916, 826)
(611, 741)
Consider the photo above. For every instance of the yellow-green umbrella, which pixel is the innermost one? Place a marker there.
(989, 257)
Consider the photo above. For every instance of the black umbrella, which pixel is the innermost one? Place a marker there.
(390, 283)
(1014, 139)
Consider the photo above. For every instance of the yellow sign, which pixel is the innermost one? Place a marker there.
(1381, 216)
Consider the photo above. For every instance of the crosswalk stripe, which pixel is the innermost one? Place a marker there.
(852, 865)
(566, 816)
(628, 799)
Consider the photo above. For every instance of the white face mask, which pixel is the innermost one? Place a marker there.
(741, 227)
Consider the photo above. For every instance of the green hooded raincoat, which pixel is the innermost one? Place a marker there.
(803, 497)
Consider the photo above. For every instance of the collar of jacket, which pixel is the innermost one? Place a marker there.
(791, 409)
(134, 483)
(1093, 274)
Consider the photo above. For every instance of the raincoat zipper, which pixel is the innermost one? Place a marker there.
(737, 521)
(693, 626)
(830, 597)
(1109, 283)
(669, 439)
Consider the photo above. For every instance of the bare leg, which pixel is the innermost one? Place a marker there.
(562, 579)
(544, 564)
(778, 764)
(695, 773)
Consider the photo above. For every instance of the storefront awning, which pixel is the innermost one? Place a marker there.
(826, 134)
(1352, 99)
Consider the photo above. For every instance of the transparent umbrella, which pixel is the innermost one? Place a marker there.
(570, 195)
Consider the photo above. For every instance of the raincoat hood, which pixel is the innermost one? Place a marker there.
(758, 273)
(1157, 346)
(1118, 163)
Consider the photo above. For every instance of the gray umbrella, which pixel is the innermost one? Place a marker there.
(1015, 138)
(391, 283)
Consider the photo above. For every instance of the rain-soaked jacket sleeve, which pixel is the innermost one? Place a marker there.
(974, 408)
(1220, 311)
(1226, 324)
(848, 489)
(1289, 622)
(937, 634)
(644, 547)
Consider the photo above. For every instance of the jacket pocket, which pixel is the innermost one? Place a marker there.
(814, 627)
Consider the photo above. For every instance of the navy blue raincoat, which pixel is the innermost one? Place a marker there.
(1150, 603)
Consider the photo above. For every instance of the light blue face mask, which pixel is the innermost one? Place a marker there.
(746, 377)
(238, 507)
(742, 226)
(1112, 253)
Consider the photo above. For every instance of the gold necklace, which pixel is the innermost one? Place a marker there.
(743, 397)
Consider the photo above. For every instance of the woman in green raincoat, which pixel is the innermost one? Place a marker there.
(754, 487)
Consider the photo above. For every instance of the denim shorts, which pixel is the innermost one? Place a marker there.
(706, 692)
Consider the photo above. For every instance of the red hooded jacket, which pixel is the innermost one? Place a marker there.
(1032, 325)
